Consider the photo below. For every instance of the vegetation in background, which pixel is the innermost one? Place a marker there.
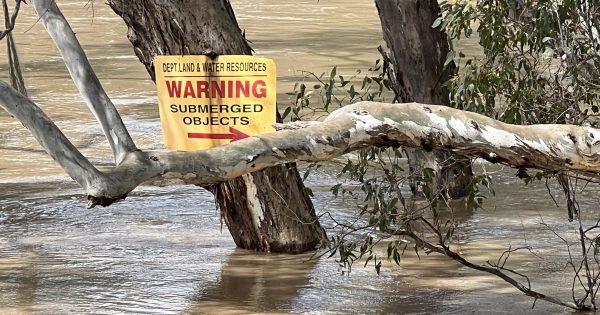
(539, 65)
(540, 59)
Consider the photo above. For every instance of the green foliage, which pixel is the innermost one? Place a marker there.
(476, 196)
(376, 179)
(540, 59)
(332, 91)
(540, 65)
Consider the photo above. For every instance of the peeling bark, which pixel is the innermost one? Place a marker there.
(270, 231)
(556, 148)
(209, 27)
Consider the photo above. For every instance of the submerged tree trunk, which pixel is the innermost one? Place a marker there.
(267, 210)
(417, 73)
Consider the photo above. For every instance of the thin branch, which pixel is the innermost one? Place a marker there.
(550, 193)
(584, 254)
(10, 23)
(85, 78)
(14, 67)
(445, 250)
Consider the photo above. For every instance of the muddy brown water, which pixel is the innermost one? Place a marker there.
(164, 249)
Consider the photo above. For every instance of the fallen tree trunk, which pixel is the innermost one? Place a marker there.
(364, 124)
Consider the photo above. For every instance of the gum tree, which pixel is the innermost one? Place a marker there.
(559, 148)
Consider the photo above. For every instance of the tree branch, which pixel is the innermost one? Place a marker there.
(85, 79)
(10, 23)
(446, 251)
(364, 124)
(357, 126)
(50, 137)
(14, 67)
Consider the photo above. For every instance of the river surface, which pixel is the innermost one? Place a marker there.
(164, 250)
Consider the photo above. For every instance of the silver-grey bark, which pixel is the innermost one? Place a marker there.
(364, 124)
(85, 78)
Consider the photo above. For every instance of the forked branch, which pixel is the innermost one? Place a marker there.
(85, 78)
(48, 136)
(14, 67)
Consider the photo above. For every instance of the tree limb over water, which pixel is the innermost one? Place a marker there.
(555, 148)
(364, 124)
(154, 29)
(85, 78)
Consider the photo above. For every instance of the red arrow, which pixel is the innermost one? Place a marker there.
(233, 134)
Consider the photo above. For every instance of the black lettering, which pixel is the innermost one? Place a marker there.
(258, 108)
(204, 109)
(244, 121)
(187, 120)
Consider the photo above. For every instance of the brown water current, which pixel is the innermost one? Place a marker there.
(164, 250)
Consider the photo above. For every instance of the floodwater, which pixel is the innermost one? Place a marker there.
(164, 250)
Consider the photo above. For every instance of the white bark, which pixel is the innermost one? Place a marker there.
(84, 78)
(49, 136)
(364, 124)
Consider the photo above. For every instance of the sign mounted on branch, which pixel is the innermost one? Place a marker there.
(208, 102)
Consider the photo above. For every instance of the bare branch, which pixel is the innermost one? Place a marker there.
(14, 67)
(10, 23)
(445, 250)
(49, 136)
(85, 79)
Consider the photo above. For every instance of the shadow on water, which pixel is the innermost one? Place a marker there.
(145, 254)
(271, 284)
(251, 282)
(164, 250)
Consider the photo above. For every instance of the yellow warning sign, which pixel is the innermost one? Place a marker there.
(208, 102)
